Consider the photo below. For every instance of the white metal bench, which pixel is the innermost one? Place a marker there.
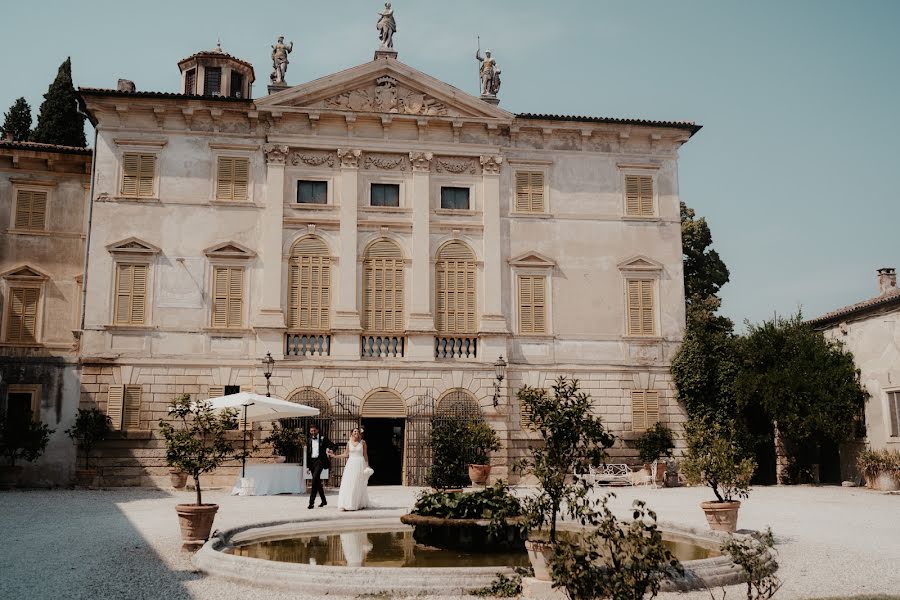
(612, 475)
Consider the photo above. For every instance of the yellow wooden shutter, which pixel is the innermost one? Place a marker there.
(641, 310)
(131, 294)
(131, 167)
(639, 195)
(148, 170)
(522, 191)
(532, 304)
(131, 418)
(224, 181)
(241, 178)
(455, 291)
(525, 417)
(138, 294)
(31, 209)
(646, 196)
(123, 293)
(115, 405)
(309, 285)
(22, 315)
(228, 297)
(294, 293)
(530, 191)
(383, 291)
(644, 409)
(216, 391)
(647, 310)
(220, 297)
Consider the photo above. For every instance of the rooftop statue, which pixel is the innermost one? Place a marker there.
(280, 61)
(386, 26)
(489, 72)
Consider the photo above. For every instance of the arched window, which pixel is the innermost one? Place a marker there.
(309, 285)
(458, 404)
(383, 288)
(454, 296)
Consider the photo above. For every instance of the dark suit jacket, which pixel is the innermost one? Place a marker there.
(324, 444)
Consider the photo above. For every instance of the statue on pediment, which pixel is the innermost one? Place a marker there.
(280, 61)
(386, 26)
(489, 73)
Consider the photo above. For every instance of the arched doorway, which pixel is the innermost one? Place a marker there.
(383, 418)
(335, 420)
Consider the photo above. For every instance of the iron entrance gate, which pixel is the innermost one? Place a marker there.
(335, 421)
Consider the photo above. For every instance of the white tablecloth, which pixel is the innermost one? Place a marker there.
(271, 479)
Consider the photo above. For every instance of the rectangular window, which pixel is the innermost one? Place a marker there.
(641, 318)
(123, 406)
(138, 171)
(131, 294)
(385, 194)
(638, 195)
(228, 297)
(31, 209)
(232, 178)
(212, 81)
(190, 82)
(23, 404)
(532, 304)
(530, 191)
(237, 85)
(22, 314)
(894, 412)
(455, 198)
(312, 192)
(644, 409)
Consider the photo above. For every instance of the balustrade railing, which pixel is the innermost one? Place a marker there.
(455, 347)
(382, 346)
(307, 344)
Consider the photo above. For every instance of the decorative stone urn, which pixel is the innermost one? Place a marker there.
(196, 523)
(479, 474)
(722, 516)
(885, 482)
(540, 553)
(177, 478)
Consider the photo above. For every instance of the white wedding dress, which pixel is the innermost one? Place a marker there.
(354, 493)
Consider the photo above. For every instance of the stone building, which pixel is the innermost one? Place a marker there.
(43, 210)
(871, 331)
(387, 238)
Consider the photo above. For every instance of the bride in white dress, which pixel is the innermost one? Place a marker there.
(354, 493)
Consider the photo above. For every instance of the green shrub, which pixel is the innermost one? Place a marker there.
(449, 468)
(481, 439)
(873, 463)
(91, 426)
(655, 442)
(715, 459)
(287, 442)
(23, 438)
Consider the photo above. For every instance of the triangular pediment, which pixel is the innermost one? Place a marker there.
(532, 259)
(640, 263)
(383, 86)
(25, 272)
(229, 250)
(133, 245)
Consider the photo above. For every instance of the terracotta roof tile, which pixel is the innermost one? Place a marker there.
(872, 304)
(39, 147)
(688, 125)
(88, 91)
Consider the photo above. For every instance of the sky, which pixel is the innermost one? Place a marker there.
(795, 169)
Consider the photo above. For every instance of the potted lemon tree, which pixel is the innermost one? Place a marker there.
(91, 426)
(655, 443)
(715, 459)
(480, 440)
(197, 444)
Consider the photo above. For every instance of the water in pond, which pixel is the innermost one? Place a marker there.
(397, 548)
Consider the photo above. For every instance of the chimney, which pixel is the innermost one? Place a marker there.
(887, 280)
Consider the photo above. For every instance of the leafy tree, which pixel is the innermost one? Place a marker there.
(704, 271)
(714, 458)
(17, 121)
(59, 121)
(451, 456)
(91, 426)
(23, 438)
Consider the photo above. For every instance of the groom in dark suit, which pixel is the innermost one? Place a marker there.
(317, 447)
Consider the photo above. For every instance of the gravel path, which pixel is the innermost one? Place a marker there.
(124, 543)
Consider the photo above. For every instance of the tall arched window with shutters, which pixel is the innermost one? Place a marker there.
(455, 289)
(309, 285)
(383, 288)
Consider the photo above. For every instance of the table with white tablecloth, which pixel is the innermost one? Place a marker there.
(271, 479)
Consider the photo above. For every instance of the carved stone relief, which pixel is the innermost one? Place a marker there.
(387, 162)
(456, 165)
(421, 161)
(276, 154)
(386, 95)
(349, 158)
(311, 158)
(490, 164)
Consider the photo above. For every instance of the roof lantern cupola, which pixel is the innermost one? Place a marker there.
(216, 73)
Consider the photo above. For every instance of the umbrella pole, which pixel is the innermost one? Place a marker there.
(244, 449)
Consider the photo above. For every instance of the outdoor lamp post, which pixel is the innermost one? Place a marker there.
(499, 376)
(268, 365)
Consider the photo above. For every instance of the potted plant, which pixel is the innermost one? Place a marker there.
(571, 435)
(91, 426)
(481, 440)
(656, 442)
(287, 442)
(448, 447)
(880, 468)
(197, 446)
(20, 438)
(715, 459)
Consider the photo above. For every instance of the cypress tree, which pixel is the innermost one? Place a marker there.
(17, 121)
(59, 121)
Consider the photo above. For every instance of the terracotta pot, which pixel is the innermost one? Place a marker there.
(479, 474)
(9, 476)
(196, 522)
(539, 553)
(85, 477)
(721, 516)
(885, 482)
(178, 478)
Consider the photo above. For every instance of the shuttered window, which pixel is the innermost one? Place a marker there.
(309, 286)
(532, 304)
(190, 82)
(383, 288)
(638, 195)
(894, 412)
(641, 317)
(131, 294)
(228, 297)
(138, 171)
(530, 191)
(525, 417)
(232, 178)
(31, 209)
(22, 314)
(123, 406)
(644, 409)
(454, 310)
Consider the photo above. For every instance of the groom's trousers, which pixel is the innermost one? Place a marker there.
(318, 465)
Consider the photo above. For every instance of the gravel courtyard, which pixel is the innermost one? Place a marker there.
(124, 543)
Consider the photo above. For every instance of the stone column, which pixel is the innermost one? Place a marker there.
(421, 321)
(492, 319)
(346, 327)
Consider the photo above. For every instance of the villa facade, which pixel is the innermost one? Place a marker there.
(386, 237)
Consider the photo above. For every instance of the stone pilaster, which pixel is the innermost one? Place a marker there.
(421, 320)
(346, 326)
(271, 315)
(492, 319)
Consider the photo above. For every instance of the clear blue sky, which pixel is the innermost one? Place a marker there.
(796, 166)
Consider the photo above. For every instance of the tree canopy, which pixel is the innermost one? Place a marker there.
(17, 121)
(704, 271)
(59, 121)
